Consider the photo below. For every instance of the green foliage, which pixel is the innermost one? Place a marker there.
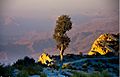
(23, 73)
(29, 65)
(34, 70)
(98, 66)
(30, 70)
(55, 66)
(63, 24)
(104, 73)
(21, 63)
(80, 74)
(2, 70)
(95, 74)
(43, 75)
(6, 71)
(81, 54)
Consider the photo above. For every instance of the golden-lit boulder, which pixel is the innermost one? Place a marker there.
(45, 59)
(104, 44)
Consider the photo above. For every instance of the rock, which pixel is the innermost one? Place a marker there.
(45, 59)
(104, 44)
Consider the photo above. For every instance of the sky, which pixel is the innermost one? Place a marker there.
(45, 12)
(20, 18)
(52, 8)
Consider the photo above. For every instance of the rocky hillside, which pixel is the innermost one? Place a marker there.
(104, 44)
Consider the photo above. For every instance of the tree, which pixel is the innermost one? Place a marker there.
(81, 54)
(63, 24)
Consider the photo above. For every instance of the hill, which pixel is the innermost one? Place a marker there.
(32, 42)
(104, 44)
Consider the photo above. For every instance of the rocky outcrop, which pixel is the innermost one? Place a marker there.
(45, 59)
(104, 44)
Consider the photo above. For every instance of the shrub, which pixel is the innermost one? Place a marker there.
(80, 74)
(55, 66)
(34, 70)
(23, 73)
(81, 54)
(21, 63)
(2, 70)
(5, 71)
(8, 70)
(29, 65)
(95, 74)
(43, 75)
(104, 73)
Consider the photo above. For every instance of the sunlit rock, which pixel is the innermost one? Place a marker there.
(104, 44)
(45, 59)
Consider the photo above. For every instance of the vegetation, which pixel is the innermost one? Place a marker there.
(63, 24)
(23, 73)
(29, 65)
(6, 71)
(104, 73)
(98, 67)
(26, 62)
(43, 75)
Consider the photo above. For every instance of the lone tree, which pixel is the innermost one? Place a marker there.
(63, 24)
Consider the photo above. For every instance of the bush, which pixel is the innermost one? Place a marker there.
(2, 70)
(28, 64)
(80, 74)
(43, 75)
(23, 73)
(34, 70)
(104, 73)
(95, 74)
(6, 71)
(55, 66)
(21, 63)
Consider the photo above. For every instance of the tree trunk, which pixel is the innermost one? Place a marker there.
(61, 55)
(61, 58)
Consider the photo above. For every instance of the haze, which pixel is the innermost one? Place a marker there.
(25, 25)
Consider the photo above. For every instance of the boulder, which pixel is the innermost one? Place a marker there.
(104, 44)
(45, 59)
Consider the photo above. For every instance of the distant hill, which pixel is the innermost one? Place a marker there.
(83, 36)
(32, 42)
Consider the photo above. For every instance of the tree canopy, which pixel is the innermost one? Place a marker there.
(63, 24)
